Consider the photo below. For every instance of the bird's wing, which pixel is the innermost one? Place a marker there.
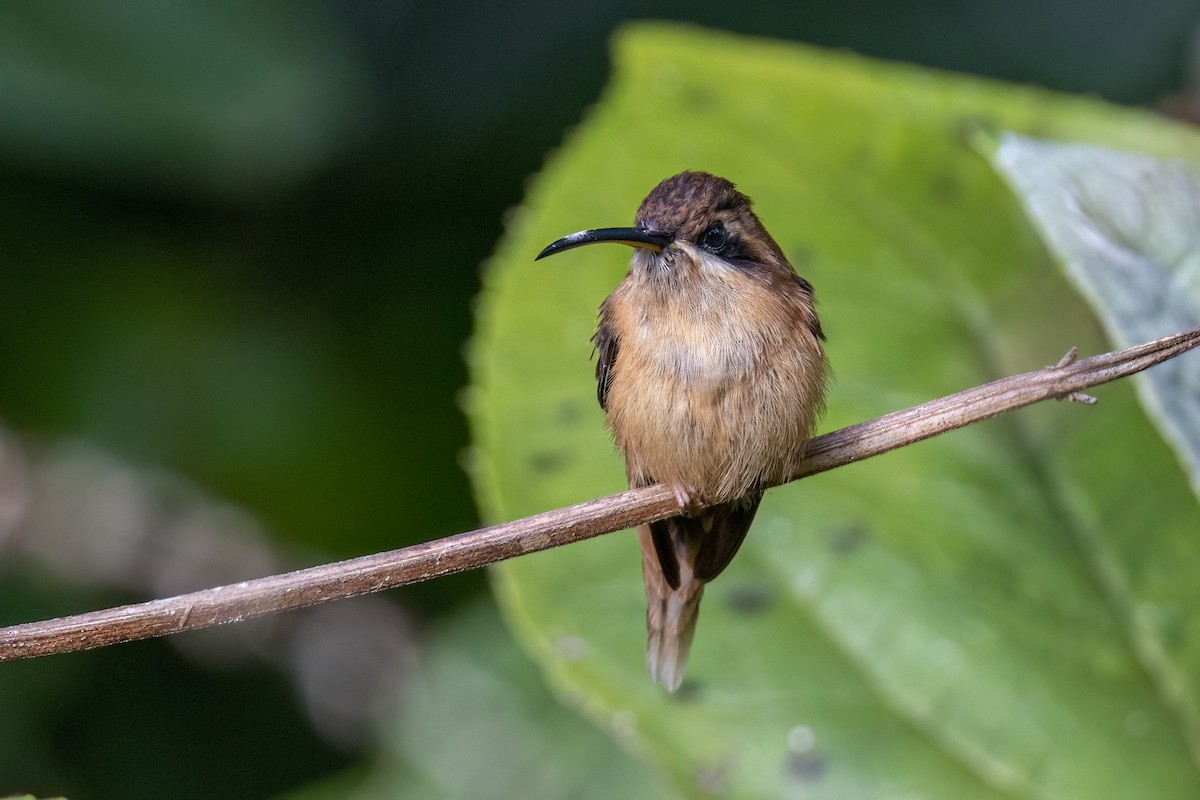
(707, 541)
(814, 324)
(607, 346)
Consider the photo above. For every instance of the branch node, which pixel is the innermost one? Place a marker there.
(1069, 358)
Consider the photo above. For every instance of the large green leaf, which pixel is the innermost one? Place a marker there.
(475, 721)
(1127, 228)
(1011, 610)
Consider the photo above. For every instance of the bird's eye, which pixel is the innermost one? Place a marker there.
(715, 237)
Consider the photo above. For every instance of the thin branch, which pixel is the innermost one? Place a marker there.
(464, 551)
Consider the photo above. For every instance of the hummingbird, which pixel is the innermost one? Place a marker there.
(711, 374)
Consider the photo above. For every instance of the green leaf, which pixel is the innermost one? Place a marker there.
(1008, 611)
(1127, 229)
(475, 721)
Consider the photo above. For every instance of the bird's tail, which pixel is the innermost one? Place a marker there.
(670, 616)
(679, 555)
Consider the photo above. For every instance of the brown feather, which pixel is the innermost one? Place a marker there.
(670, 617)
(679, 555)
(712, 375)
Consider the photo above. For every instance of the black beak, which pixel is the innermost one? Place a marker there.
(634, 237)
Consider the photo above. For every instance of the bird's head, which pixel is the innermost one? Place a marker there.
(690, 223)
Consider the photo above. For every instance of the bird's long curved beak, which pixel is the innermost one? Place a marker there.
(634, 237)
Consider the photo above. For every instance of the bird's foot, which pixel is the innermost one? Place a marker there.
(689, 502)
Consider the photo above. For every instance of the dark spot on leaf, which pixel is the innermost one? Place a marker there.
(806, 767)
(861, 157)
(749, 599)
(1172, 625)
(972, 127)
(567, 412)
(845, 539)
(713, 780)
(699, 99)
(945, 189)
(689, 691)
(545, 463)
(800, 255)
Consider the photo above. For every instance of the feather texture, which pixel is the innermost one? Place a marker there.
(711, 374)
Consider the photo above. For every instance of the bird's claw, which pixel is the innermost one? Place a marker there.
(688, 502)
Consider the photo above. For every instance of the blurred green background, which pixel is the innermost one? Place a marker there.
(239, 247)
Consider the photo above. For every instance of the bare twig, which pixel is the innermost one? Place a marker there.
(465, 551)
